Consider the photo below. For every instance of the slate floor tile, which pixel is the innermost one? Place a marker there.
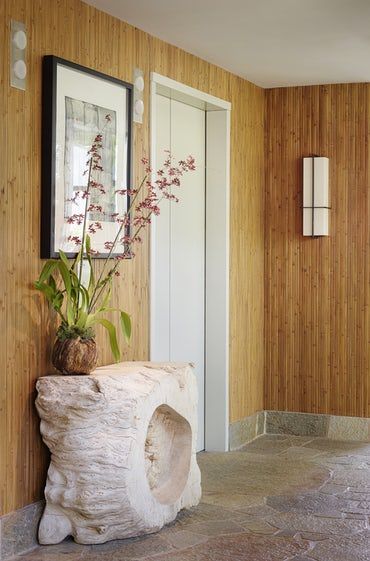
(282, 498)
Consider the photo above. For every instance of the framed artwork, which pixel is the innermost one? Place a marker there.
(79, 103)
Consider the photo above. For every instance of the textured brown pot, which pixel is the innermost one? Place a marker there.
(75, 356)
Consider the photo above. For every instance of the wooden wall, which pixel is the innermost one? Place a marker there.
(75, 31)
(317, 345)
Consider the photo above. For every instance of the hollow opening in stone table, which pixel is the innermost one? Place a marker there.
(167, 454)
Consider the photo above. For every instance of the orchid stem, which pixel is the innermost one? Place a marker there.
(94, 299)
(84, 234)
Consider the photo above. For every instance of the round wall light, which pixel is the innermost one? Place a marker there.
(20, 69)
(20, 40)
(139, 107)
(139, 83)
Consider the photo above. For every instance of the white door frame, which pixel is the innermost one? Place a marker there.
(217, 250)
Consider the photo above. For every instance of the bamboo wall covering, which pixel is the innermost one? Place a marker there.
(77, 32)
(317, 291)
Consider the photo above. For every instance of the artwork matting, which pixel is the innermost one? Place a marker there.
(76, 101)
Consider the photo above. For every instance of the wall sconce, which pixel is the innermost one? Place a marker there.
(138, 95)
(316, 196)
(18, 43)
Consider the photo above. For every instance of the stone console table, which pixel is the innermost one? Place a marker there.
(123, 450)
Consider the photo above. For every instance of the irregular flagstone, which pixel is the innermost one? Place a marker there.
(67, 550)
(312, 537)
(358, 462)
(356, 495)
(252, 474)
(302, 558)
(317, 524)
(356, 516)
(260, 507)
(258, 511)
(234, 501)
(202, 513)
(354, 478)
(183, 538)
(354, 548)
(216, 527)
(286, 533)
(136, 548)
(333, 489)
(315, 503)
(336, 446)
(365, 505)
(301, 453)
(40, 554)
(258, 526)
(241, 547)
(366, 533)
(267, 445)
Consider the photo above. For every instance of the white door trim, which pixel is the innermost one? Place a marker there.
(217, 250)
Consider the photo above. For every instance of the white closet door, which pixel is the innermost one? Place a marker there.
(160, 259)
(179, 248)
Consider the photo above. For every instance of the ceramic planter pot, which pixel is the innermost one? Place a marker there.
(75, 356)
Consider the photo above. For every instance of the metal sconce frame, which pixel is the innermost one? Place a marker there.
(316, 196)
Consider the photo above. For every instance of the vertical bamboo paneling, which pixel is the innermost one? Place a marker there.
(317, 291)
(75, 31)
(247, 250)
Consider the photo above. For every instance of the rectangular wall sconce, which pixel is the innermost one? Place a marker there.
(138, 109)
(18, 44)
(316, 196)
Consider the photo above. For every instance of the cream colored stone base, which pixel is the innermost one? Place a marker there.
(123, 451)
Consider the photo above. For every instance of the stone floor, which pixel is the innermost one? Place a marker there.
(279, 498)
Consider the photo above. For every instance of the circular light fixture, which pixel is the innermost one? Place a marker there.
(20, 40)
(20, 69)
(139, 107)
(139, 83)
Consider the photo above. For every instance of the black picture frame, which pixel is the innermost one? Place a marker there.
(50, 65)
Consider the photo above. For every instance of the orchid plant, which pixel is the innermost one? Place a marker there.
(82, 304)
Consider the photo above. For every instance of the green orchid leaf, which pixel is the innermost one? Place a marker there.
(73, 296)
(70, 314)
(88, 255)
(52, 283)
(80, 309)
(126, 325)
(112, 336)
(125, 321)
(47, 290)
(85, 297)
(91, 319)
(64, 258)
(65, 274)
(53, 296)
(57, 301)
(82, 318)
(47, 270)
(74, 280)
(107, 296)
(77, 259)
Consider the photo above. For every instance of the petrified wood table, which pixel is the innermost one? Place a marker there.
(123, 450)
